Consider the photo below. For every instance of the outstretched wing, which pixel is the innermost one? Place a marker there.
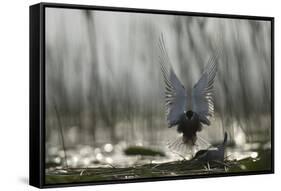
(175, 93)
(202, 93)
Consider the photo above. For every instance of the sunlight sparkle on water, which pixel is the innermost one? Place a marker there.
(75, 159)
(108, 147)
(86, 161)
(254, 155)
(108, 160)
(99, 156)
(57, 160)
(240, 137)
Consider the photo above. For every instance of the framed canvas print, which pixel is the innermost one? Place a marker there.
(127, 95)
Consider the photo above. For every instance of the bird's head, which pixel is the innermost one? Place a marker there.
(189, 114)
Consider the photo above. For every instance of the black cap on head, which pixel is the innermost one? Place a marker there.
(189, 114)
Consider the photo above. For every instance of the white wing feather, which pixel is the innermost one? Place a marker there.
(175, 93)
(202, 93)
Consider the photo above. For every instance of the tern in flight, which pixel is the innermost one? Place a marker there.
(188, 110)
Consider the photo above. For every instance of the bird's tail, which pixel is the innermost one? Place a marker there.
(225, 138)
(222, 146)
(183, 146)
(178, 145)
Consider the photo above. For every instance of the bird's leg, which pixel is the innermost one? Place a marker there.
(225, 169)
(208, 166)
(205, 167)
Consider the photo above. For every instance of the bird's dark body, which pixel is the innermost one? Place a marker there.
(212, 155)
(189, 125)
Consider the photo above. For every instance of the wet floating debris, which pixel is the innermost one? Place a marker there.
(142, 151)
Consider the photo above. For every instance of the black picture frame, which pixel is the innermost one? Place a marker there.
(37, 91)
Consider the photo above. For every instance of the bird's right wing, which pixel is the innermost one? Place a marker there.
(202, 94)
(175, 93)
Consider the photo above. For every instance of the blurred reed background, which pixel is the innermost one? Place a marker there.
(104, 83)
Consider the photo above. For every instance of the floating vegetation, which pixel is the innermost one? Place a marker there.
(143, 151)
(166, 169)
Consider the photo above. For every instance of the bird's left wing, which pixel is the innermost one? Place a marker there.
(202, 93)
(175, 93)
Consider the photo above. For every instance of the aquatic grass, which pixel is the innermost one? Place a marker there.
(174, 168)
